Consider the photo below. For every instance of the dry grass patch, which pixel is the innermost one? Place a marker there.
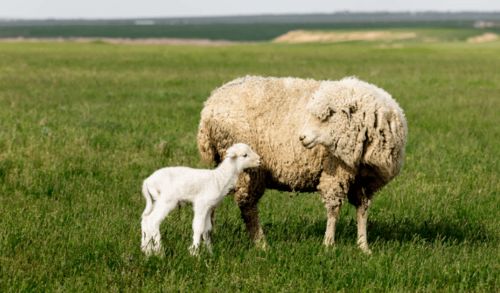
(301, 36)
(486, 37)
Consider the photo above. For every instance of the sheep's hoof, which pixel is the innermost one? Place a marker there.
(328, 242)
(366, 250)
(261, 244)
(364, 247)
(330, 247)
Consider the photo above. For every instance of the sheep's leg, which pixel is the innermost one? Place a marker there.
(360, 196)
(250, 215)
(248, 192)
(334, 186)
(151, 237)
(333, 211)
(199, 220)
(362, 218)
(207, 237)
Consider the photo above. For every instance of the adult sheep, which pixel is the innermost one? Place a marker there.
(344, 138)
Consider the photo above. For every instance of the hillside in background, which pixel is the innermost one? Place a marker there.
(243, 28)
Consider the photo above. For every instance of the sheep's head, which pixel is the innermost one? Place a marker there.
(329, 113)
(243, 156)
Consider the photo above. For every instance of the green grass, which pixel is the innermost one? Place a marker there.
(83, 124)
(257, 31)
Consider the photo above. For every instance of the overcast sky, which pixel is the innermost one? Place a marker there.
(173, 8)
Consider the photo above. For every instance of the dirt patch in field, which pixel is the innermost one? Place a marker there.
(151, 41)
(486, 37)
(301, 36)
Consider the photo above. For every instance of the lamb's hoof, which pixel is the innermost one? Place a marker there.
(153, 252)
(194, 251)
(152, 248)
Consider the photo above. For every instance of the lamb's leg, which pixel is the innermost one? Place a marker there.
(199, 220)
(334, 186)
(249, 190)
(150, 224)
(207, 237)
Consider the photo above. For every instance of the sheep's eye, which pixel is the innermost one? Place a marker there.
(245, 155)
(329, 117)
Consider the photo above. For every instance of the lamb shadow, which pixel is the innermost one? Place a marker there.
(385, 230)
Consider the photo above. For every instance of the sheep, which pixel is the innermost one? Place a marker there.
(205, 189)
(344, 138)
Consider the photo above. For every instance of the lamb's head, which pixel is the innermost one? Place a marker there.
(243, 156)
(328, 117)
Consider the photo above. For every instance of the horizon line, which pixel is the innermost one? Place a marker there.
(5, 18)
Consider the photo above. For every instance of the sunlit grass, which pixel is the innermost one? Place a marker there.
(83, 124)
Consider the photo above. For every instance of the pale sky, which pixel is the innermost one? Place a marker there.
(41, 9)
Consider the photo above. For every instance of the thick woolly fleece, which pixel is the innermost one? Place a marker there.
(344, 138)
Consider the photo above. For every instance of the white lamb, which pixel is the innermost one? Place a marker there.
(167, 187)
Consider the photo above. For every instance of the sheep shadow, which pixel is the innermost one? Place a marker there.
(384, 230)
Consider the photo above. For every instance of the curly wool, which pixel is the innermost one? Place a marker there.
(266, 113)
(358, 131)
(370, 127)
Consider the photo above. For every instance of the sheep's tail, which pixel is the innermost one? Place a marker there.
(205, 146)
(149, 199)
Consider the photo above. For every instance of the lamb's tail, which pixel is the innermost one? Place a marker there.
(146, 192)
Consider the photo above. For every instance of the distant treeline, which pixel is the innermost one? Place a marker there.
(238, 28)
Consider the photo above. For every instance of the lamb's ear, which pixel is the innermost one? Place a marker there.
(231, 154)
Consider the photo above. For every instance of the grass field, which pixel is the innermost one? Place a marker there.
(83, 124)
(251, 27)
(234, 32)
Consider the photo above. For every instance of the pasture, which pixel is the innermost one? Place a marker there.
(83, 124)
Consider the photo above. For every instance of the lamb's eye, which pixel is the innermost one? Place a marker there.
(245, 155)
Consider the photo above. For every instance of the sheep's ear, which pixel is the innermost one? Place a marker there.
(349, 110)
(353, 108)
(326, 113)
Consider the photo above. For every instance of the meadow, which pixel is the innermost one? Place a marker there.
(247, 28)
(83, 124)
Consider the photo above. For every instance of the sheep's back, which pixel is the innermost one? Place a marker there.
(267, 114)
